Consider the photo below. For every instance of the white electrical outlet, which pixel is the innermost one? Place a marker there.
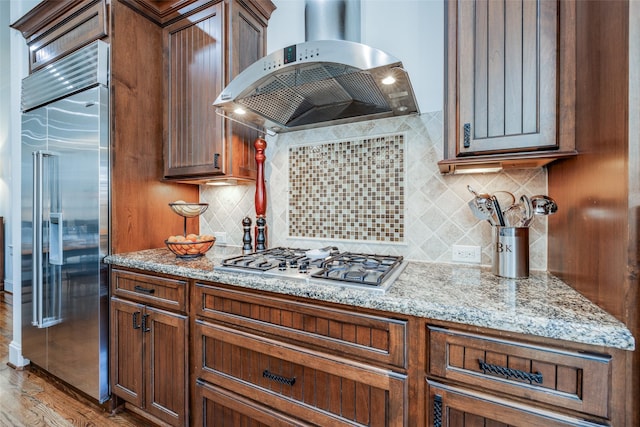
(221, 237)
(469, 254)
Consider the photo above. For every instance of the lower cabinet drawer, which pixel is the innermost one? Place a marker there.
(360, 336)
(313, 386)
(218, 407)
(158, 291)
(449, 406)
(566, 379)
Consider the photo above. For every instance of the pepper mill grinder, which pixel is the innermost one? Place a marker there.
(260, 236)
(247, 248)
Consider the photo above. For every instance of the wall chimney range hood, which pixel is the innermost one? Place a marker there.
(318, 83)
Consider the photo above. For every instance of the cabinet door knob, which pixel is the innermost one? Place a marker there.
(216, 160)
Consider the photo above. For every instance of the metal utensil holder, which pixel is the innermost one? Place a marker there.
(511, 252)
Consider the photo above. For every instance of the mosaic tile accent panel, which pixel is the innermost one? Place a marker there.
(348, 190)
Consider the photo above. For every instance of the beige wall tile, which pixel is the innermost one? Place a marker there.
(429, 215)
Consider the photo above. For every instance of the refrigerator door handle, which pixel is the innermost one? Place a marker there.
(47, 294)
(36, 254)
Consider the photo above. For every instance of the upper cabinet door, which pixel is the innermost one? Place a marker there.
(507, 75)
(194, 61)
(203, 51)
(510, 81)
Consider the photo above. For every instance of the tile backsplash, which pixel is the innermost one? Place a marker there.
(352, 189)
(429, 212)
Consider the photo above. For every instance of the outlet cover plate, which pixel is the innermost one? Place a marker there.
(466, 254)
(221, 237)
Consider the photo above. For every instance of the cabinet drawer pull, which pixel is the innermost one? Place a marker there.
(135, 320)
(144, 290)
(508, 372)
(437, 411)
(278, 378)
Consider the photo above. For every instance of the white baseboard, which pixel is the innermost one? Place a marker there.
(8, 285)
(15, 355)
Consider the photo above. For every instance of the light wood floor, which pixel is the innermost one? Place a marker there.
(27, 399)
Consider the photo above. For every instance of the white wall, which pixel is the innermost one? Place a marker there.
(13, 67)
(411, 30)
(5, 88)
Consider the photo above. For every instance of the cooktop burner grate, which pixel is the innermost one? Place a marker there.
(265, 260)
(358, 268)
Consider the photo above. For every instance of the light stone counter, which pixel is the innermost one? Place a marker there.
(541, 305)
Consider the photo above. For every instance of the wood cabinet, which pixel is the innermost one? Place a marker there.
(319, 366)
(54, 29)
(594, 238)
(221, 407)
(474, 377)
(218, 354)
(140, 215)
(149, 345)
(510, 89)
(459, 407)
(203, 51)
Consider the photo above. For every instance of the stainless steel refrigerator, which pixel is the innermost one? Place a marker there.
(65, 219)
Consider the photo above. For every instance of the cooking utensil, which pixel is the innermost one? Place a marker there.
(481, 210)
(505, 198)
(528, 211)
(513, 215)
(497, 210)
(543, 205)
(478, 195)
(519, 214)
(483, 206)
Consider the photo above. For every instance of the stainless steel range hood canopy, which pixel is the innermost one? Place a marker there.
(318, 83)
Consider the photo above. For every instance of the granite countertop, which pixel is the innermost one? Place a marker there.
(541, 305)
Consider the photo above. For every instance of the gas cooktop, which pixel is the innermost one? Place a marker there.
(354, 270)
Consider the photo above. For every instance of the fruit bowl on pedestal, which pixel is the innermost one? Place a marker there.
(191, 245)
(189, 210)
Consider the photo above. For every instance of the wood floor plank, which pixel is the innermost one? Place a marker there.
(29, 399)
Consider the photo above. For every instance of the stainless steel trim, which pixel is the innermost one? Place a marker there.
(79, 70)
(249, 125)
